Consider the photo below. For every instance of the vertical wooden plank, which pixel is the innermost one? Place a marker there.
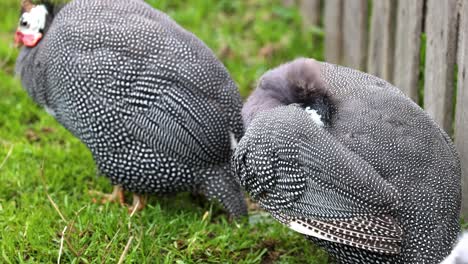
(333, 31)
(381, 40)
(289, 3)
(407, 46)
(310, 10)
(355, 33)
(461, 117)
(441, 28)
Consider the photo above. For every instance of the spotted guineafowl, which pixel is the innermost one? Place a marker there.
(346, 159)
(157, 109)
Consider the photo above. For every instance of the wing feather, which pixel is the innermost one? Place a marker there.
(316, 186)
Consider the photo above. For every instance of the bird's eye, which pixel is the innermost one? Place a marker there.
(23, 23)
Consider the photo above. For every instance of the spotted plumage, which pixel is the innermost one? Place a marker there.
(156, 108)
(372, 180)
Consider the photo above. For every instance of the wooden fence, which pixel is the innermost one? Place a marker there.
(406, 42)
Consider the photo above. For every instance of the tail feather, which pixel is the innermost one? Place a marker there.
(376, 234)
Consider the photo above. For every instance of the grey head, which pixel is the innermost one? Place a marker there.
(296, 82)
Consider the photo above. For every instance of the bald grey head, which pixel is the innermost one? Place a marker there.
(294, 82)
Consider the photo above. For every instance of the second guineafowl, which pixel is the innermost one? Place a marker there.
(158, 111)
(346, 159)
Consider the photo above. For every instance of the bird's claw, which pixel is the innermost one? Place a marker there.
(117, 195)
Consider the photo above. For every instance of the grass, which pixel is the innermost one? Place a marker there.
(46, 173)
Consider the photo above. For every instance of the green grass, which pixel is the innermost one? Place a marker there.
(250, 37)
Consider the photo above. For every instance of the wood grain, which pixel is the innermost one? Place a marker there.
(408, 47)
(382, 40)
(441, 47)
(310, 10)
(461, 117)
(355, 33)
(333, 21)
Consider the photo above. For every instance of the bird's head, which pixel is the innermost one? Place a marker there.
(33, 22)
(296, 82)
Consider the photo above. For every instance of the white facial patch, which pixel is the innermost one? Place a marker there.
(36, 19)
(315, 116)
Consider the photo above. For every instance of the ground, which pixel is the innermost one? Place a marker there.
(46, 211)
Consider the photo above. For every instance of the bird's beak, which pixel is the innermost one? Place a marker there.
(28, 40)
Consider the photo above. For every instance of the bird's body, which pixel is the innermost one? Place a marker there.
(149, 99)
(378, 183)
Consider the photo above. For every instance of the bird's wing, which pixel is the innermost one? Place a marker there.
(184, 125)
(315, 185)
(144, 37)
(148, 103)
(154, 94)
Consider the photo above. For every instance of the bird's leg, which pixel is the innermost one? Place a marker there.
(138, 204)
(117, 195)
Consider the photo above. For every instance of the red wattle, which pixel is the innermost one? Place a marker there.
(18, 38)
(28, 40)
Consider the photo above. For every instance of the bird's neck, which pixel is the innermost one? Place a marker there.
(30, 70)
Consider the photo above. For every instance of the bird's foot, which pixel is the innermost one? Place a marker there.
(138, 204)
(117, 195)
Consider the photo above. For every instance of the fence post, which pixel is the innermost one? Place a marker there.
(355, 19)
(333, 21)
(310, 10)
(461, 117)
(382, 40)
(441, 47)
(289, 3)
(408, 47)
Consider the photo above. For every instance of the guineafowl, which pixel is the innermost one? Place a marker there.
(157, 109)
(346, 159)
